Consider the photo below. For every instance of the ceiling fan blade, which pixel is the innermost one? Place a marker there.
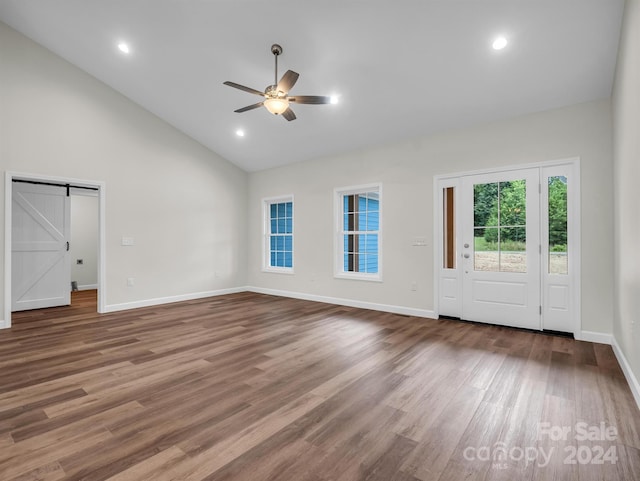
(287, 81)
(242, 87)
(289, 115)
(310, 99)
(249, 107)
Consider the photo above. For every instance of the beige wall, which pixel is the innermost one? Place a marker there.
(406, 171)
(626, 119)
(184, 205)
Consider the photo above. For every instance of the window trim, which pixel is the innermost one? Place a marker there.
(266, 234)
(338, 241)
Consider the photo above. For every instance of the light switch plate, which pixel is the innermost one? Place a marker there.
(128, 241)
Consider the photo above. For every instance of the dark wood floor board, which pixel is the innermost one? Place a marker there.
(23, 459)
(418, 421)
(356, 456)
(620, 409)
(482, 431)
(440, 435)
(260, 388)
(559, 414)
(344, 416)
(150, 468)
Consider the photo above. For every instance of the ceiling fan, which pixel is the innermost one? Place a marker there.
(276, 96)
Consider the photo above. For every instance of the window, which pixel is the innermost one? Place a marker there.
(500, 226)
(278, 220)
(448, 228)
(358, 232)
(558, 228)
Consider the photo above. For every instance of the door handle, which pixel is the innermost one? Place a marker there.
(67, 246)
(466, 256)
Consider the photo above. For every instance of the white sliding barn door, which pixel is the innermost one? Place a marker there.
(40, 264)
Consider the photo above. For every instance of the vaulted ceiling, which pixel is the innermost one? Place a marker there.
(399, 69)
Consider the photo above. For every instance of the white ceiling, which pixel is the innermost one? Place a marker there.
(401, 68)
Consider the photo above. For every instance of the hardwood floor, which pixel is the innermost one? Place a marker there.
(254, 387)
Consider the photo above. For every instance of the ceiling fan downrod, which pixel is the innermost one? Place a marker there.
(276, 50)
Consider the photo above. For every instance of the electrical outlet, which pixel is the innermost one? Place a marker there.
(128, 241)
(130, 281)
(414, 286)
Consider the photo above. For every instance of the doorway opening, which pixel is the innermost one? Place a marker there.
(508, 246)
(38, 241)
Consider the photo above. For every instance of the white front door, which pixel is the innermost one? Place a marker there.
(40, 265)
(500, 252)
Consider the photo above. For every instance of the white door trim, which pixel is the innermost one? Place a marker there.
(8, 189)
(574, 226)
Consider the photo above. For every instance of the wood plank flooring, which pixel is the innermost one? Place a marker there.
(254, 387)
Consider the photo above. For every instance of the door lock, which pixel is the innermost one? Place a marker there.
(466, 256)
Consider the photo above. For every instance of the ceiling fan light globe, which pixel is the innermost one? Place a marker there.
(276, 105)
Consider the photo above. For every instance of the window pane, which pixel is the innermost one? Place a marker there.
(280, 222)
(512, 203)
(371, 244)
(513, 247)
(558, 239)
(372, 263)
(485, 204)
(360, 215)
(486, 253)
(352, 261)
(449, 232)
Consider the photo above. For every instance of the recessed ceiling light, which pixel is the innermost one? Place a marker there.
(123, 47)
(499, 43)
(240, 133)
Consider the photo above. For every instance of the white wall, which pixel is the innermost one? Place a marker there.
(184, 205)
(406, 171)
(84, 240)
(626, 109)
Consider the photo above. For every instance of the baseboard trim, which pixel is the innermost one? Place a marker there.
(167, 300)
(632, 380)
(592, 336)
(88, 287)
(407, 311)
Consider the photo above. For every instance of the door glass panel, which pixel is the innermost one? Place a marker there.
(500, 226)
(558, 259)
(449, 230)
(513, 247)
(485, 199)
(513, 203)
